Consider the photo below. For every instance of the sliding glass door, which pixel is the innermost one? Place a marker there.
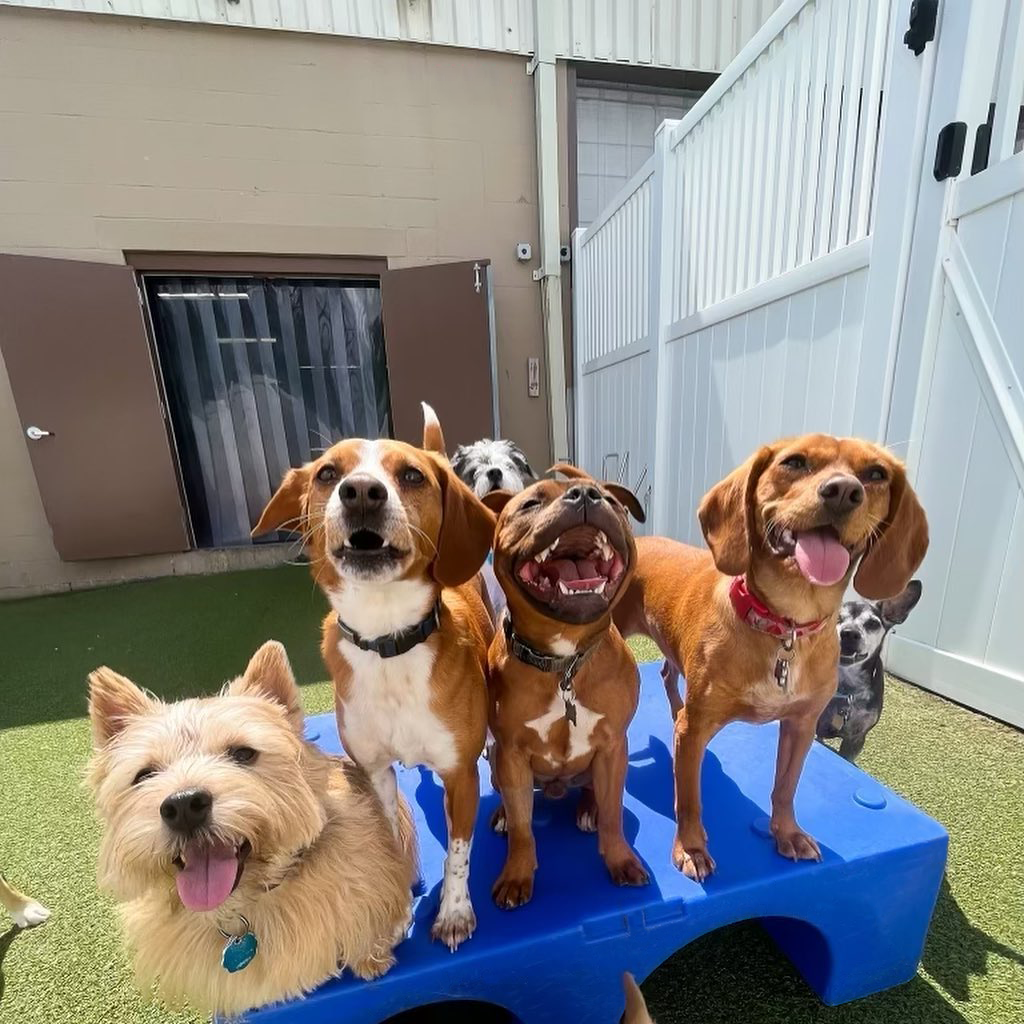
(262, 374)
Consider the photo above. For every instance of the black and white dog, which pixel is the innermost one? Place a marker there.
(857, 705)
(487, 465)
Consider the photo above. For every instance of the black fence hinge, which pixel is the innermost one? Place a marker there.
(949, 150)
(923, 15)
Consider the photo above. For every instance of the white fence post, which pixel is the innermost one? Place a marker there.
(664, 229)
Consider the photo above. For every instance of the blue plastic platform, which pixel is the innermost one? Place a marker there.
(853, 924)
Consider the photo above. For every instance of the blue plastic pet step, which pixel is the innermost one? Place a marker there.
(853, 924)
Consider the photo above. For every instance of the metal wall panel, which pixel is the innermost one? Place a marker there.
(695, 35)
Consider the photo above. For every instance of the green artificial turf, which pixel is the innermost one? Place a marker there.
(181, 636)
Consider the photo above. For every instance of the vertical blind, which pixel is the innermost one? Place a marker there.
(262, 374)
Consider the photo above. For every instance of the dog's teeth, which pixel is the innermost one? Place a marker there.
(599, 589)
(562, 587)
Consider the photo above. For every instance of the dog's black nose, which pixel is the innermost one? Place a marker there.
(841, 494)
(187, 810)
(361, 492)
(494, 475)
(582, 495)
(849, 637)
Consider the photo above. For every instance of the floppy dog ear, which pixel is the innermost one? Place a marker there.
(433, 436)
(287, 507)
(467, 530)
(891, 560)
(269, 676)
(497, 500)
(726, 514)
(113, 700)
(629, 499)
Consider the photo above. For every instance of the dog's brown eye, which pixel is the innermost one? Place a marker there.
(242, 755)
(875, 475)
(795, 462)
(412, 476)
(530, 503)
(146, 773)
(327, 474)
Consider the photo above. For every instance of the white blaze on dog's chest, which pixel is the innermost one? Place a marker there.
(387, 709)
(579, 733)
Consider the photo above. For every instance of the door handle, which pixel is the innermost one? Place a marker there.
(37, 433)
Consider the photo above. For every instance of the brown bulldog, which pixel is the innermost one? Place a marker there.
(562, 683)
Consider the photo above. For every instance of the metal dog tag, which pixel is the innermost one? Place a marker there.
(785, 655)
(240, 950)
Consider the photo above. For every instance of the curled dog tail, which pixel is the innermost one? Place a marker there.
(636, 1008)
(433, 436)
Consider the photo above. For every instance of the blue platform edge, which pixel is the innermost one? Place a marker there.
(853, 924)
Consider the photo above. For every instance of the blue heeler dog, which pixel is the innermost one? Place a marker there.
(857, 705)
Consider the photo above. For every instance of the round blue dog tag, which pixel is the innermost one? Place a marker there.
(239, 952)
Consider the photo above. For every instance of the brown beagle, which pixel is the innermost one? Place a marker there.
(751, 624)
(395, 540)
(563, 685)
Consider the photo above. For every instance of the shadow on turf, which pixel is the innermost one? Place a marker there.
(958, 950)
(5, 943)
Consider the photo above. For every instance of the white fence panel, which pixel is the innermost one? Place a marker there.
(796, 237)
(778, 368)
(616, 332)
(965, 639)
(775, 165)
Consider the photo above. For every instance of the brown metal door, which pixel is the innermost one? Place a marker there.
(76, 349)
(438, 338)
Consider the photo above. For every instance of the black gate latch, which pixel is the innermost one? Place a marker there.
(922, 25)
(949, 151)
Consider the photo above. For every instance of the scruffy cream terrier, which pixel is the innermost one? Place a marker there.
(251, 866)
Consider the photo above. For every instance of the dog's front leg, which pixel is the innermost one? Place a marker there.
(609, 772)
(456, 919)
(796, 734)
(385, 785)
(514, 886)
(690, 849)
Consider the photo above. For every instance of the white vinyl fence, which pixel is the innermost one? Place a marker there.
(772, 270)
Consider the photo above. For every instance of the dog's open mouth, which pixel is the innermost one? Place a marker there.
(819, 554)
(209, 872)
(580, 570)
(367, 549)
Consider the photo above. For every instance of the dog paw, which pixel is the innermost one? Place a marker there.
(693, 860)
(510, 892)
(30, 915)
(586, 812)
(454, 927)
(499, 823)
(628, 871)
(796, 844)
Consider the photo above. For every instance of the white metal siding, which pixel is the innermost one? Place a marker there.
(695, 35)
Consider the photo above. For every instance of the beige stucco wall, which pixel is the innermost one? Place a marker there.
(121, 134)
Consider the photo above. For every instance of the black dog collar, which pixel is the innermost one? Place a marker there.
(393, 644)
(564, 665)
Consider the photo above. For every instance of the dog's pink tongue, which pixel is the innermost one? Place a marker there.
(208, 876)
(821, 558)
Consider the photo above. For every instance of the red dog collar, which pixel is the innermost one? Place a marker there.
(760, 617)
